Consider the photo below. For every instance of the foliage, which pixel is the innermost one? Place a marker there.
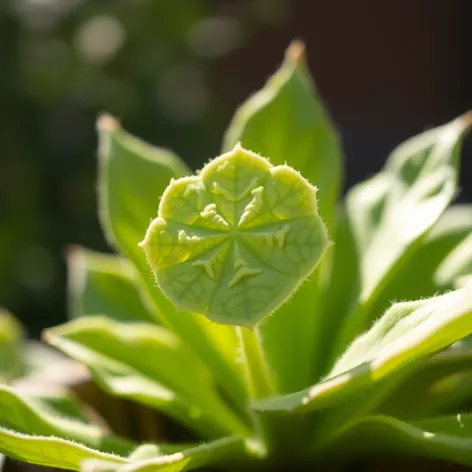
(271, 365)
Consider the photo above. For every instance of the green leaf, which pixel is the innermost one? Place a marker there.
(407, 332)
(456, 266)
(235, 451)
(132, 178)
(441, 385)
(23, 414)
(418, 278)
(104, 284)
(393, 211)
(447, 438)
(50, 451)
(287, 123)
(54, 399)
(148, 364)
(11, 341)
(339, 291)
(235, 241)
(411, 281)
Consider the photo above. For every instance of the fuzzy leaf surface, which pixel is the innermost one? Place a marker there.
(148, 364)
(23, 414)
(287, 122)
(50, 451)
(234, 451)
(406, 332)
(392, 212)
(236, 240)
(133, 176)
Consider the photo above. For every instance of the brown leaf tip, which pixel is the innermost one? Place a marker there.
(107, 123)
(296, 51)
(468, 117)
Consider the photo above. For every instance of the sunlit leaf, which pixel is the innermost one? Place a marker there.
(457, 265)
(133, 176)
(392, 212)
(236, 240)
(25, 415)
(406, 332)
(241, 454)
(287, 122)
(50, 451)
(148, 364)
(103, 284)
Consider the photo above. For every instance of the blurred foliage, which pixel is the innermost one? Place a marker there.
(149, 62)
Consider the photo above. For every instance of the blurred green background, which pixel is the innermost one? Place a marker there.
(173, 72)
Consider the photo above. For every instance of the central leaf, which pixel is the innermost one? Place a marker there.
(236, 240)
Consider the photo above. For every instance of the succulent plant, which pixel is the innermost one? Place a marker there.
(278, 325)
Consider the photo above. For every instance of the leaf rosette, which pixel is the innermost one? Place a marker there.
(236, 240)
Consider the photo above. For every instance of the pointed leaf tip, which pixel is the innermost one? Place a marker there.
(107, 123)
(296, 51)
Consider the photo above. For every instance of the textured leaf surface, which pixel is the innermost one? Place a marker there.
(50, 451)
(406, 332)
(11, 341)
(148, 364)
(235, 241)
(235, 451)
(27, 416)
(393, 211)
(132, 179)
(412, 281)
(103, 284)
(286, 122)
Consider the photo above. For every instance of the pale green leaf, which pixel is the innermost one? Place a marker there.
(339, 291)
(392, 212)
(412, 281)
(287, 123)
(50, 451)
(11, 343)
(236, 240)
(457, 265)
(418, 278)
(447, 438)
(148, 364)
(406, 332)
(241, 454)
(104, 284)
(132, 179)
(26, 415)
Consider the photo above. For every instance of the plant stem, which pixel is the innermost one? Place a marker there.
(258, 379)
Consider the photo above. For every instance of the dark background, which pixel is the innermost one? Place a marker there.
(173, 72)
